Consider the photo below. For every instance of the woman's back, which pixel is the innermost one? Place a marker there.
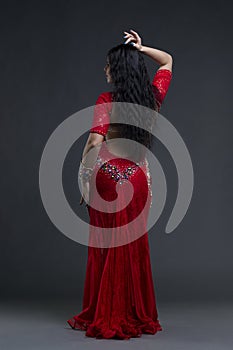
(110, 127)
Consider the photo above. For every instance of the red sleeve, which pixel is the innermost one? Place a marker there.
(101, 117)
(160, 84)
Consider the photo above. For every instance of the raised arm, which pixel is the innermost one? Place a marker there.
(164, 59)
(163, 75)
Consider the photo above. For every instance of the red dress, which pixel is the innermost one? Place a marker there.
(119, 297)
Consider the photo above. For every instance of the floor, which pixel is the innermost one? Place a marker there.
(42, 325)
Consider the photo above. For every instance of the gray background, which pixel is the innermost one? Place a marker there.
(52, 57)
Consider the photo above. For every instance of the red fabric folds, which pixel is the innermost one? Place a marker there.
(119, 298)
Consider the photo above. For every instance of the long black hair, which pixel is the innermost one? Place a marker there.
(131, 84)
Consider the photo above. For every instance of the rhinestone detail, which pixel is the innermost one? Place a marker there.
(121, 176)
(115, 173)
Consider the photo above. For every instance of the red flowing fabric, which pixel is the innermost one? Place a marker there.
(119, 297)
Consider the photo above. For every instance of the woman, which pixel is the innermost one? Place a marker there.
(119, 297)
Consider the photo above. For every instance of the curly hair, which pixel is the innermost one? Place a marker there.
(131, 84)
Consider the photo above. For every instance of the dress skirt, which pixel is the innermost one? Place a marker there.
(119, 297)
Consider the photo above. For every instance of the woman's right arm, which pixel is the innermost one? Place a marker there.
(164, 59)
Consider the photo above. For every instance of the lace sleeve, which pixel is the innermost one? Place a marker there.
(160, 84)
(101, 118)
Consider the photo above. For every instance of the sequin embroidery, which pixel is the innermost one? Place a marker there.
(121, 176)
(115, 173)
(118, 175)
